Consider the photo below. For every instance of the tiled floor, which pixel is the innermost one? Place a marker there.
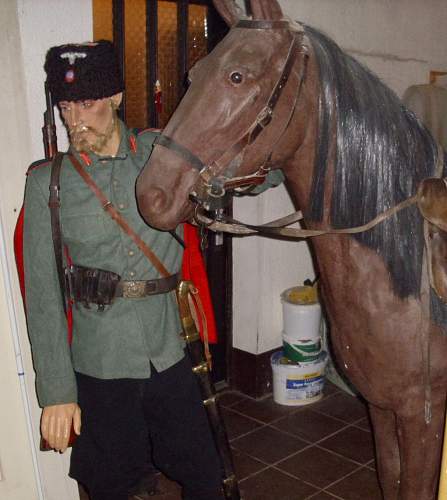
(322, 451)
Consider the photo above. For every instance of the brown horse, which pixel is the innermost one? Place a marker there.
(277, 94)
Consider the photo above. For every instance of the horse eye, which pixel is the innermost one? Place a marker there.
(236, 77)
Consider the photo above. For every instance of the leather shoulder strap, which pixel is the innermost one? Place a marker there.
(118, 218)
(54, 204)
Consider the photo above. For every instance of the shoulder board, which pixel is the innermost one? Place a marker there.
(139, 132)
(38, 164)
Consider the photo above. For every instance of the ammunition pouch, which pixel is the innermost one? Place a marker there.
(86, 285)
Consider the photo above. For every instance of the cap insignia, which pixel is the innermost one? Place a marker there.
(72, 56)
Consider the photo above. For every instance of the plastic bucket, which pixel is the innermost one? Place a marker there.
(297, 384)
(301, 350)
(301, 313)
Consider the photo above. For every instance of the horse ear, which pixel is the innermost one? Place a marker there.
(266, 9)
(228, 10)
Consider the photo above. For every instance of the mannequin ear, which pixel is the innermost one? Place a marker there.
(266, 9)
(228, 10)
(116, 99)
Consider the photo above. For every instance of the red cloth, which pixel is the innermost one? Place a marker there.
(193, 268)
(18, 252)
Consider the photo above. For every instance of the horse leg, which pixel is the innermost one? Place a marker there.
(387, 450)
(420, 448)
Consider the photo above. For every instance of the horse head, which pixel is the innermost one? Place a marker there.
(232, 119)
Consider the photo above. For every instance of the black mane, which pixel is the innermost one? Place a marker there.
(383, 152)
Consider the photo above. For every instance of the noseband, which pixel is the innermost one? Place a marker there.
(216, 178)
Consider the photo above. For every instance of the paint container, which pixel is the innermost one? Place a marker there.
(301, 314)
(296, 384)
(301, 350)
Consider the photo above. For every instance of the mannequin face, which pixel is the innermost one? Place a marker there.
(92, 124)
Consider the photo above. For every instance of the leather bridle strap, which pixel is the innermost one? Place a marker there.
(185, 153)
(263, 118)
(276, 228)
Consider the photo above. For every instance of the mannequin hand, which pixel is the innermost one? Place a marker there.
(56, 424)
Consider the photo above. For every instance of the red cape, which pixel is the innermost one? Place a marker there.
(193, 269)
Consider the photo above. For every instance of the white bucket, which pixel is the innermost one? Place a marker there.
(301, 350)
(297, 383)
(301, 313)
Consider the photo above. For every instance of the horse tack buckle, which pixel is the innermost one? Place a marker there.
(134, 289)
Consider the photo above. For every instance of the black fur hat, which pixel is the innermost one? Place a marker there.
(76, 72)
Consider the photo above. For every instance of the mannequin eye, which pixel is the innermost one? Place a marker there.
(236, 77)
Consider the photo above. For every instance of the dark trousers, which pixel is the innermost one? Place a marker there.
(122, 419)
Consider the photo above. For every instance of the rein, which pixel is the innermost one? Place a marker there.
(216, 178)
(279, 227)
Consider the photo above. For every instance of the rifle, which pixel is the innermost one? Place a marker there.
(49, 127)
(50, 148)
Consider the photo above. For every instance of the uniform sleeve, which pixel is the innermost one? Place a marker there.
(47, 325)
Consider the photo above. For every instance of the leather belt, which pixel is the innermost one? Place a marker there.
(135, 289)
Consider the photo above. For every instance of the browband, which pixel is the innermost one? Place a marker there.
(262, 24)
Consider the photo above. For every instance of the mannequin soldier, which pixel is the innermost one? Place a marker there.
(124, 380)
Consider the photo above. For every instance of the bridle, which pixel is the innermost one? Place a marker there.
(216, 179)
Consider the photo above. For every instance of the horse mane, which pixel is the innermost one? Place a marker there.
(382, 153)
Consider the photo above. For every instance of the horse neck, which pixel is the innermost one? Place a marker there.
(302, 133)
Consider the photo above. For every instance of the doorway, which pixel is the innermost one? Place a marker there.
(157, 42)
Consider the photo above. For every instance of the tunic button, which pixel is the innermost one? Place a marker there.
(121, 206)
(131, 253)
(132, 274)
(115, 183)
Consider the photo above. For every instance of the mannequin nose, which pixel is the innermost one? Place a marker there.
(74, 117)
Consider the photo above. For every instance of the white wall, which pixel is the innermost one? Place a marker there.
(400, 40)
(27, 29)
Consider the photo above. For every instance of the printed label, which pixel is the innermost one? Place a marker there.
(304, 388)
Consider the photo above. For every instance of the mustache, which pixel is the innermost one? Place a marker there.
(80, 129)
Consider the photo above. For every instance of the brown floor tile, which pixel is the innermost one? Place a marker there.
(272, 484)
(322, 495)
(229, 398)
(168, 490)
(329, 388)
(82, 493)
(244, 465)
(316, 466)
(268, 445)
(353, 443)
(364, 424)
(309, 425)
(361, 485)
(343, 406)
(236, 424)
(264, 410)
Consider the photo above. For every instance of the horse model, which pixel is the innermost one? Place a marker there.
(277, 94)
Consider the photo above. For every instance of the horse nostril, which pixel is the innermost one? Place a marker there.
(154, 201)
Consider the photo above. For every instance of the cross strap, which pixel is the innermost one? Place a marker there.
(118, 218)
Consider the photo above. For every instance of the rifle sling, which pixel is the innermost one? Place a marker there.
(54, 205)
(118, 218)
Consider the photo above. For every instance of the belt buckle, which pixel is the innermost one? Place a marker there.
(134, 289)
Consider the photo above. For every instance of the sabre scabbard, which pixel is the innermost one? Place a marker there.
(200, 368)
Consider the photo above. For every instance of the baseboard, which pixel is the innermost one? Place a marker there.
(251, 374)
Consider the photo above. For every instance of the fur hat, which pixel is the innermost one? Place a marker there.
(76, 72)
